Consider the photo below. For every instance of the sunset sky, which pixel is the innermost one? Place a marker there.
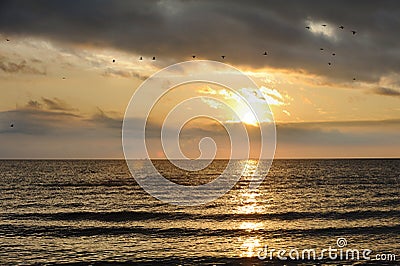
(66, 98)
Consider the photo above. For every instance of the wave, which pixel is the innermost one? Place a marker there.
(208, 260)
(71, 231)
(122, 216)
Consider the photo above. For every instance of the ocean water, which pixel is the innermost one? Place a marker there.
(92, 212)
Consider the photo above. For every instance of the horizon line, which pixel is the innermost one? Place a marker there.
(217, 159)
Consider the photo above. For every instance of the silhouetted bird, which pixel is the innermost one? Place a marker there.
(223, 56)
(323, 25)
(193, 56)
(113, 60)
(321, 49)
(354, 32)
(12, 125)
(7, 40)
(140, 58)
(341, 27)
(329, 63)
(308, 27)
(354, 78)
(333, 54)
(265, 53)
(154, 58)
(63, 77)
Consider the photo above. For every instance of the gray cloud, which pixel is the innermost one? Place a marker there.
(240, 30)
(109, 72)
(57, 104)
(46, 116)
(386, 92)
(339, 124)
(101, 117)
(50, 104)
(34, 121)
(34, 104)
(42, 130)
(323, 137)
(38, 133)
(345, 134)
(21, 67)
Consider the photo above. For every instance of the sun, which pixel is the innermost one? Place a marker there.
(249, 119)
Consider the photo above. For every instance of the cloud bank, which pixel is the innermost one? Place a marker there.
(42, 131)
(241, 31)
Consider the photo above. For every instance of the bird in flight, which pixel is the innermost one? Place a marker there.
(321, 49)
(354, 78)
(223, 56)
(308, 27)
(329, 63)
(193, 56)
(64, 78)
(333, 54)
(154, 58)
(265, 53)
(7, 40)
(12, 125)
(323, 25)
(341, 27)
(354, 32)
(113, 60)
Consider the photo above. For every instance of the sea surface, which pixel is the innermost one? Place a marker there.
(92, 212)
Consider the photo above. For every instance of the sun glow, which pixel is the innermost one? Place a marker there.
(250, 106)
(249, 119)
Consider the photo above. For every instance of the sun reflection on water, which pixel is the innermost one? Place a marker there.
(250, 201)
(250, 168)
(251, 226)
(250, 246)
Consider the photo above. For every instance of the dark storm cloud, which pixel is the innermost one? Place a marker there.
(386, 92)
(241, 30)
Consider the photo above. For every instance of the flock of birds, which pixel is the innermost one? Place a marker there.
(193, 56)
(223, 56)
(265, 53)
(333, 54)
(340, 27)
